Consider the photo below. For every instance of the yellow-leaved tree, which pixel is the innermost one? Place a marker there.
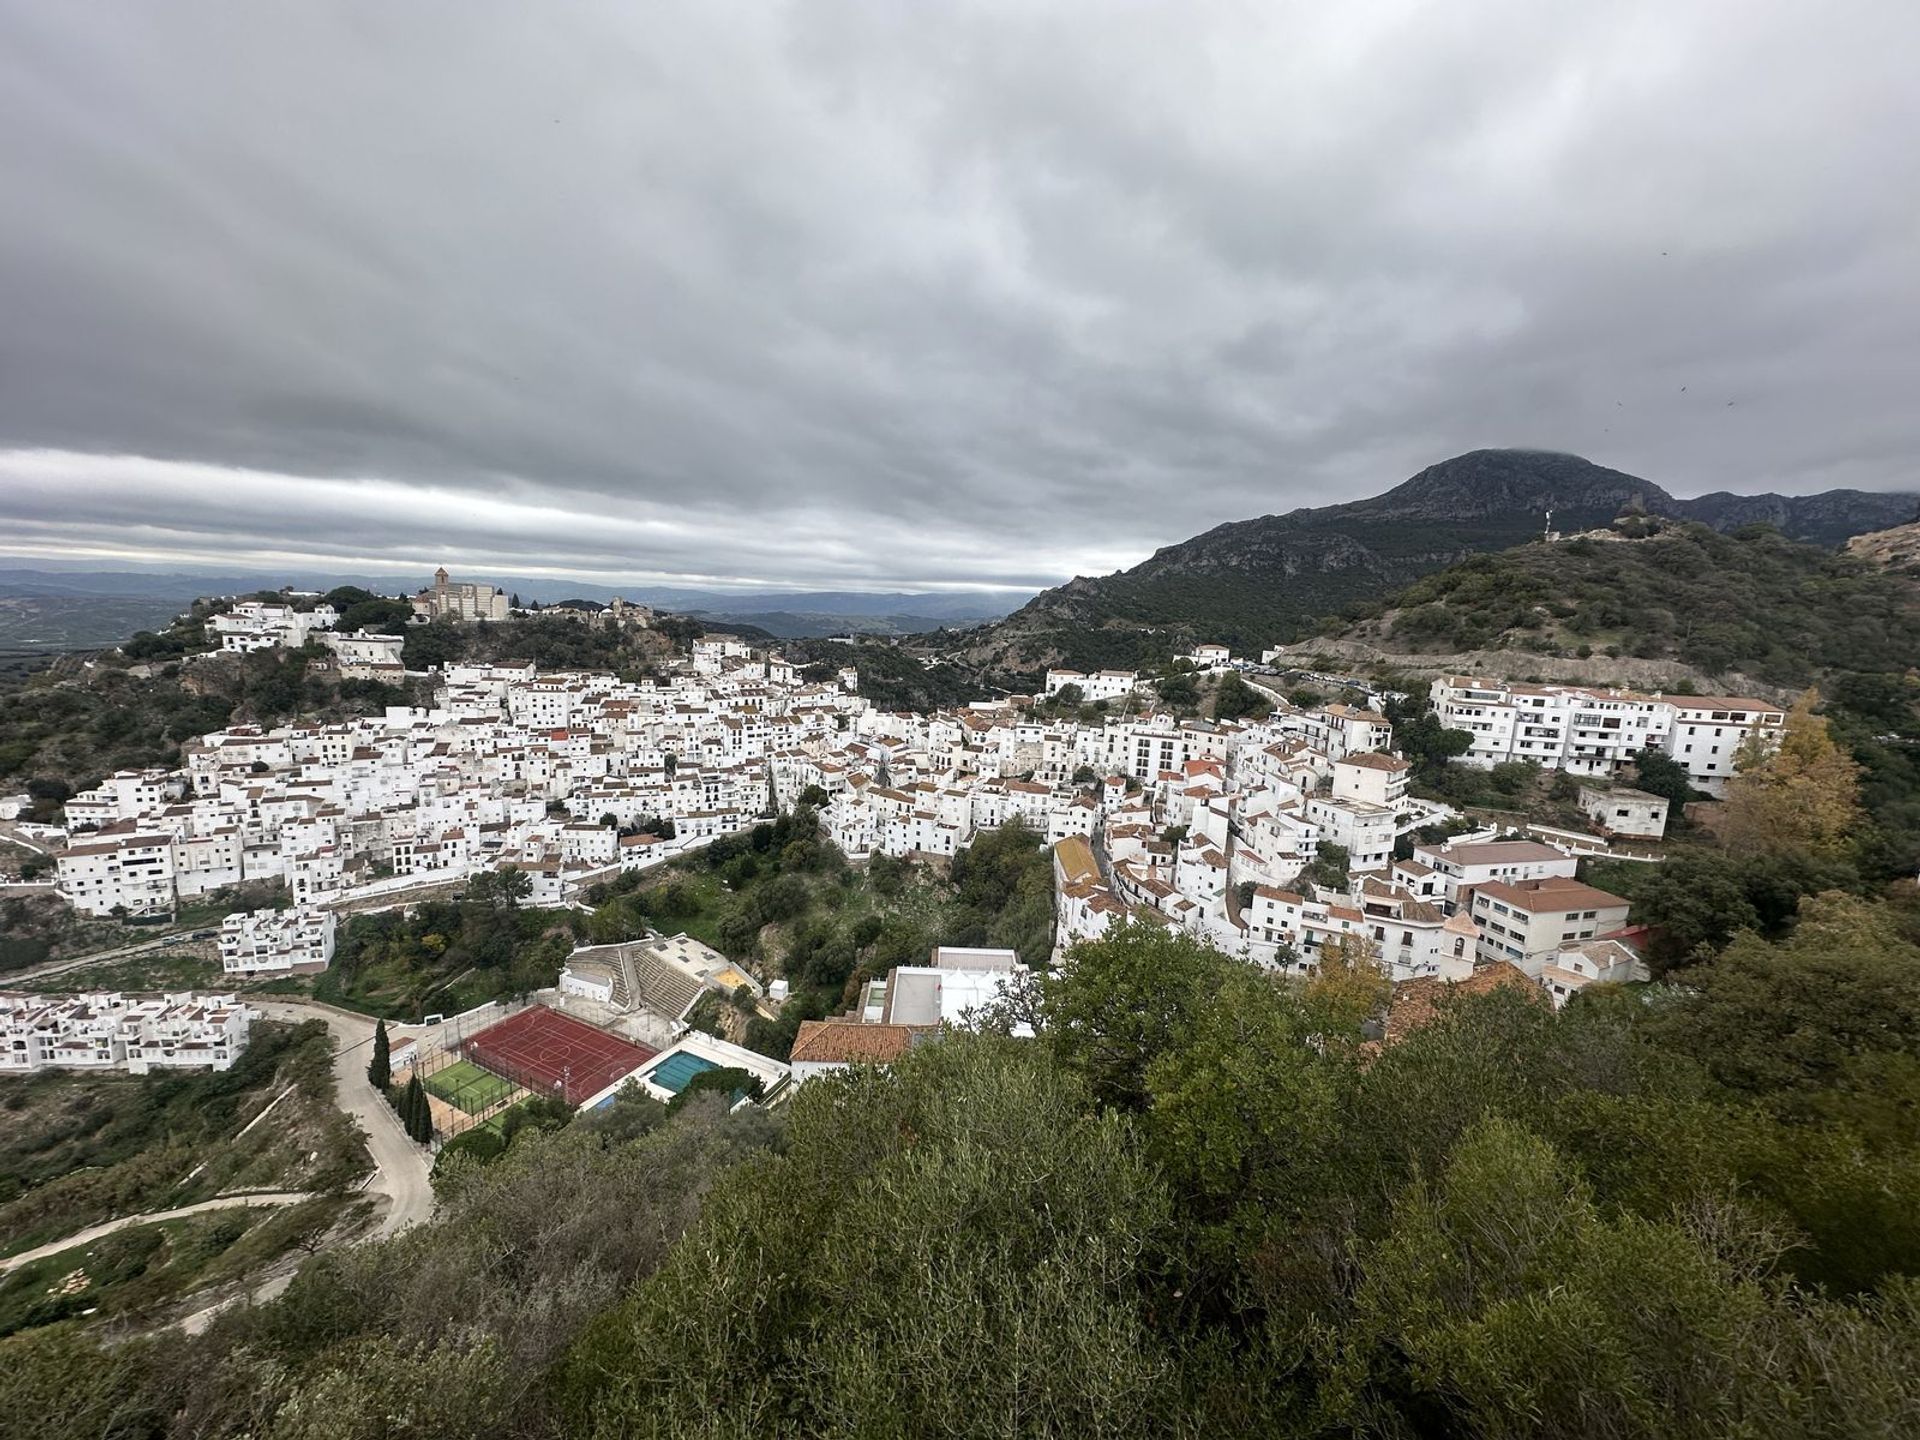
(1802, 797)
(1347, 990)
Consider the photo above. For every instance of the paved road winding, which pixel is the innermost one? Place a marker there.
(400, 1166)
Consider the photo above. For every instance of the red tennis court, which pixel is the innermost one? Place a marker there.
(547, 1052)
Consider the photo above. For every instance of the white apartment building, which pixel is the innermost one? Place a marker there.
(711, 652)
(132, 872)
(113, 1031)
(1415, 937)
(1708, 732)
(1594, 731)
(1371, 778)
(256, 625)
(1364, 830)
(1305, 927)
(1097, 685)
(1336, 730)
(185, 1032)
(208, 862)
(277, 942)
(1584, 731)
(1528, 922)
(1460, 867)
(1146, 748)
(123, 795)
(364, 651)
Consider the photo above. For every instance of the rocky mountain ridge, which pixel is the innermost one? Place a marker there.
(1256, 582)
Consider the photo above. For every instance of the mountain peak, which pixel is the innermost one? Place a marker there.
(1251, 582)
(1515, 483)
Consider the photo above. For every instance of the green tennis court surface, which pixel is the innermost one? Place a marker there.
(467, 1087)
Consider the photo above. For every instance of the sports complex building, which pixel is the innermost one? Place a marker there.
(665, 1075)
(541, 1051)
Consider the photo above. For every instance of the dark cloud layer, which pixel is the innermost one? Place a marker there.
(896, 295)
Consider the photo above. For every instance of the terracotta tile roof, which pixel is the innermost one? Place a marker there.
(849, 1042)
(1417, 1002)
(1551, 896)
(1373, 760)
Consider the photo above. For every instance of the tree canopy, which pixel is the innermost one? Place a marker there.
(1201, 1198)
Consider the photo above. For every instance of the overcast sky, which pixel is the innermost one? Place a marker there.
(909, 295)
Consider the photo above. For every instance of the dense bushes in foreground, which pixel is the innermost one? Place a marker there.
(1198, 1200)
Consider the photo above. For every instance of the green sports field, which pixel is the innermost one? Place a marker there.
(467, 1087)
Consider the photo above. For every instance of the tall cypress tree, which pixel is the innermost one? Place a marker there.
(380, 1068)
(417, 1115)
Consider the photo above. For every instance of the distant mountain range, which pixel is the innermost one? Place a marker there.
(1248, 583)
(81, 609)
(1254, 582)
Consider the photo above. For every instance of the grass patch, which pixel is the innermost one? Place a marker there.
(466, 1087)
(174, 968)
(498, 1123)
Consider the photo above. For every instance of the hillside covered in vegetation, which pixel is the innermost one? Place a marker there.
(1747, 610)
(1753, 602)
(1251, 583)
(1195, 1201)
(784, 900)
(64, 727)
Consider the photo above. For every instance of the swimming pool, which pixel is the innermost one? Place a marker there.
(673, 1073)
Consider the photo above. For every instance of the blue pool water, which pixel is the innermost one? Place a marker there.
(673, 1073)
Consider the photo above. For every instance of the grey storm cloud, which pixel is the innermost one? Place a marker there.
(913, 295)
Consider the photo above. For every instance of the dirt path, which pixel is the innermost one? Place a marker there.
(18, 979)
(95, 1232)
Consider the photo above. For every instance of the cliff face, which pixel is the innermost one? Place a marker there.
(1828, 518)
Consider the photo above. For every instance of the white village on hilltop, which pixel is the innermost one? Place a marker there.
(572, 778)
